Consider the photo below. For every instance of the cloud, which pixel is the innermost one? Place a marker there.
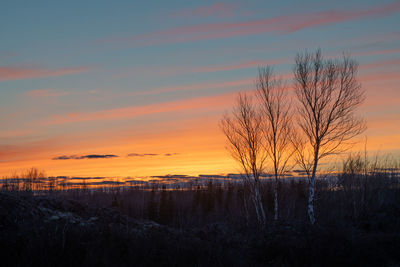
(91, 156)
(91, 183)
(171, 154)
(83, 178)
(379, 76)
(173, 176)
(378, 52)
(241, 65)
(217, 9)
(151, 154)
(215, 101)
(21, 73)
(191, 87)
(141, 155)
(284, 24)
(48, 92)
(165, 71)
(383, 63)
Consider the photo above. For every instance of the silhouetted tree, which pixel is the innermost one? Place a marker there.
(277, 127)
(243, 130)
(328, 94)
(32, 179)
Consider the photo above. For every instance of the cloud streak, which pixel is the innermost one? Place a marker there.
(216, 101)
(282, 24)
(192, 87)
(22, 73)
(383, 63)
(168, 70)
(48, 92)
(142, 155)
(150, 154)
(91, 156)
(378, 52)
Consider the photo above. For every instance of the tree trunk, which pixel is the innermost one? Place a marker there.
(311, 193)
(261, 217)
(276, 198)
(256, 206)
(311, 188)
(246, 208)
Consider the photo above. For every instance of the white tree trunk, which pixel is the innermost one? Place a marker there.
(276, 199)
(311, 193)
(311, 188)
(260, 209)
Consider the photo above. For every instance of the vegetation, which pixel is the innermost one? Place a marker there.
(327, 93)
(358, 211)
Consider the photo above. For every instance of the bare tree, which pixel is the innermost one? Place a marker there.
(328, 94)
(243, 130)
(277, 122)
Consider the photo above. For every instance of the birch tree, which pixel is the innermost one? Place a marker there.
(243, 131)
(277, 125)
(328, 95)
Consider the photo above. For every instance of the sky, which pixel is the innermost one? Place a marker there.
(129, 88)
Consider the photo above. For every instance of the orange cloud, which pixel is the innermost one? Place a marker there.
(197, 146)
(21, 73)
(26, 150)
(372, 77)
(198, 141)
(382, 63)
(129, 112)
(333, 16)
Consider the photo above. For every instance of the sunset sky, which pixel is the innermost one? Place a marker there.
(122, 88)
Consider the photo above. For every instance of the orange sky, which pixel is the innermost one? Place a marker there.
(195, 142)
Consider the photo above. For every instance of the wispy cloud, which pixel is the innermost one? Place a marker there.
(166, 71)
(382, 63)
(171, 154)
(48, 92)
(142, 154)
(216, 101)
(240, 65)
(91, 156)
(197, 86)
(151, 154)
(379, 76)
(282, 24)
(378, 52)
(21, 73)
(217, 9)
